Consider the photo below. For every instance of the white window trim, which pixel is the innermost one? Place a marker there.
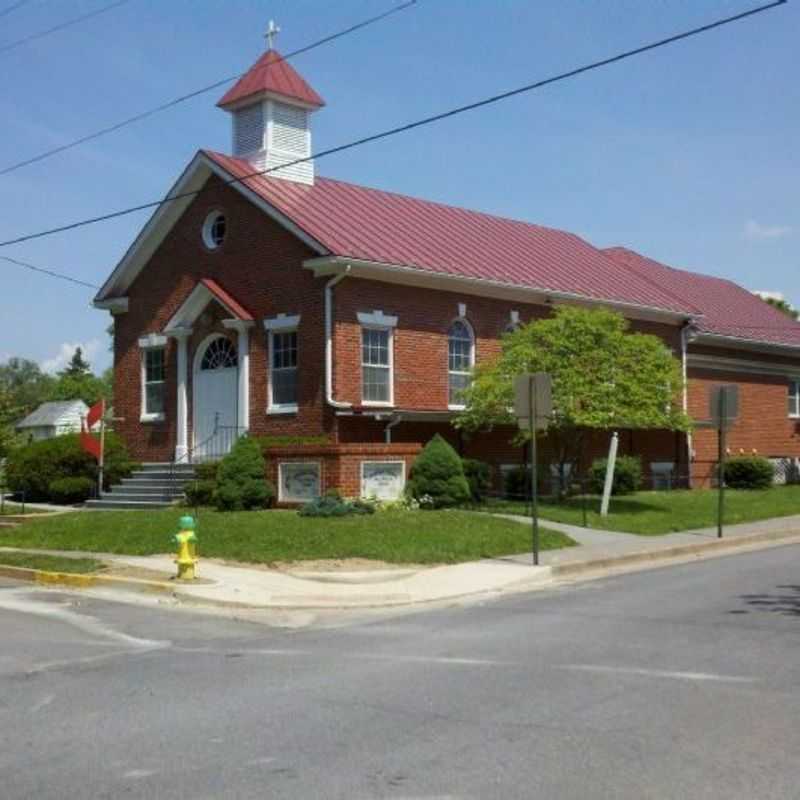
(383, 461)
(376, 319)
(465, 321)
(390, 347)
(208, 224)
(282, 323)
(152, 341)
(281, 497)
(280, 408)
(794, 391)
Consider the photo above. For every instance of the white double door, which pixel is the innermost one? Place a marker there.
(215, 411)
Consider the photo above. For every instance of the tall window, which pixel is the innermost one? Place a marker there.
(376, 365)
(283, 371)
(154, 374)
(794, 398)
(460, 360)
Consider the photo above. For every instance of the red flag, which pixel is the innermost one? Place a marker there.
(90, 443)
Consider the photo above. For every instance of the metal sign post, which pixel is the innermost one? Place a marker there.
(724, 411)
(533, 404)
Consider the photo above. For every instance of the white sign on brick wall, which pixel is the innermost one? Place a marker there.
(384, 480)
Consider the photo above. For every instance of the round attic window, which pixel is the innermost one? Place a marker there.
(214, 229)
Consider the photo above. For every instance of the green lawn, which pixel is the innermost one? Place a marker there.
(11, 508)
(267, 536)
(50, 563)
(653, 513)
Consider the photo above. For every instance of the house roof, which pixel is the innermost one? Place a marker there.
(373, 225)
(239, 311)
(52, 413)
(271, 73)
(727, 309)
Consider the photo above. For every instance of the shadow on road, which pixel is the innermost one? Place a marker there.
(786, 600)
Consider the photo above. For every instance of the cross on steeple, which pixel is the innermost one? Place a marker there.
(272, 31)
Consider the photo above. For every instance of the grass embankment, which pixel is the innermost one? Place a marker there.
(655, 513)
(412, 537)
(80, 566)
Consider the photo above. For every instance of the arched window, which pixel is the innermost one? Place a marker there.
(460, 360)
(220, 354)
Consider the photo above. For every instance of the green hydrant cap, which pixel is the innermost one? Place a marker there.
(187, 523)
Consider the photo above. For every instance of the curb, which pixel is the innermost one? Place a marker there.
(717, 546)
(80, 581)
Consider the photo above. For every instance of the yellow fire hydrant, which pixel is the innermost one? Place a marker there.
(186, 540)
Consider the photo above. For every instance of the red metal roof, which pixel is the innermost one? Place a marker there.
(727, 309)
(271, 73)
(232, 305)
(362, 223)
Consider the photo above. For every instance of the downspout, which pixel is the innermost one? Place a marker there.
(387, 431)
(685, 334)
(329, 340)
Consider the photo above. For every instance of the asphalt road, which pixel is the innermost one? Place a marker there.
(677, 683)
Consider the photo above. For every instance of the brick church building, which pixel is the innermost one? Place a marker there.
(341, 321)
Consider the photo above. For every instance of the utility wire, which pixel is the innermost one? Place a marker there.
(60, 27)
(13, 7)
(50, 272)
(197, 92)
(411, 125)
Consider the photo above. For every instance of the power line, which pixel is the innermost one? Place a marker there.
(13, 7)
(197, 92)
(412, 125)
(50, 272)
(60, 27)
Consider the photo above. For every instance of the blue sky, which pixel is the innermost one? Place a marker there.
(688, 154)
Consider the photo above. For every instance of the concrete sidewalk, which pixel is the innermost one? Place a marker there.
(245, 586)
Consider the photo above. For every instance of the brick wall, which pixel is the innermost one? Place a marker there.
(764, 426)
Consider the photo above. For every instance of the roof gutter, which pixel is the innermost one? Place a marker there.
(750, 344)
(329, 399)
(397, 273)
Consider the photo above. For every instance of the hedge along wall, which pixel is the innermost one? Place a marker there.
(340, 464)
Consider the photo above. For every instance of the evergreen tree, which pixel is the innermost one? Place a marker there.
(78, 366)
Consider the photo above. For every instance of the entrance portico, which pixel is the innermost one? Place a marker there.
(220, 375)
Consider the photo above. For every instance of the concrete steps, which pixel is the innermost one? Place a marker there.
(151, 486)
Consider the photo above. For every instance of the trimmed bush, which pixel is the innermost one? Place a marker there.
(69, 491)
(32, 468)
(437, 476)
(200, 492)
(479, 478)
(749, 472)
(517, 483)
(241, 484)
(627, 475)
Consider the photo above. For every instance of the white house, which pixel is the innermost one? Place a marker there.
(53, 419)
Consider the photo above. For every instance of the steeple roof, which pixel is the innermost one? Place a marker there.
(271, 73)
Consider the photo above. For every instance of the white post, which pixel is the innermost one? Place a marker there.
(612, 461)
(182, 416)
(242, 327)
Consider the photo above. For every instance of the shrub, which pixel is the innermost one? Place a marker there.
(439, 474)
(207, 471)
(627, 475)
(749, 472)
(328, 506)
(200, 492)
(32, 468)
(517, 483)
(240, 478)
(479, 478)
(68, 491)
